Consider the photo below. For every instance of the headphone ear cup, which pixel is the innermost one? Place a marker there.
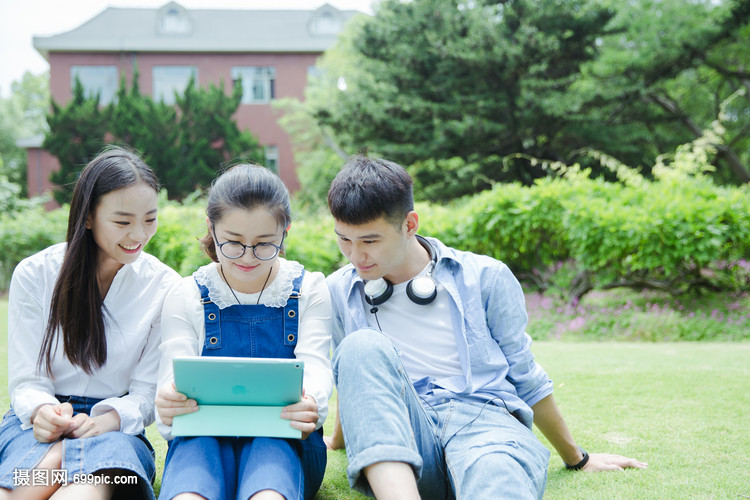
(422, 290)
(378, 291)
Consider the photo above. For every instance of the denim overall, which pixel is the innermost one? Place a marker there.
(128, 454)
(239, 467)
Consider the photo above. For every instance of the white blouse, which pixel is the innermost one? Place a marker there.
(184, 329)
(126, 382)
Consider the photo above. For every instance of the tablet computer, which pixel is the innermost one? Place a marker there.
(237, 396)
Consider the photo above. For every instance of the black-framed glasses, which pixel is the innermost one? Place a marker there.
(235, 249)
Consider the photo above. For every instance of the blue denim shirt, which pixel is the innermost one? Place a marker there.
(488, 310)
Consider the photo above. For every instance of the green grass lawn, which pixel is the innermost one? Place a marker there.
(682, 407)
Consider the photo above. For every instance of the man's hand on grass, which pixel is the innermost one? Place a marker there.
(607, 461)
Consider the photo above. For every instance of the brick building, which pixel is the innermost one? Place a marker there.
(272, 51)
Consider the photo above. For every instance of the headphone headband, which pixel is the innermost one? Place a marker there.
(428, 246)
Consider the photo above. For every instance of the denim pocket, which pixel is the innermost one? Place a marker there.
(8, 420)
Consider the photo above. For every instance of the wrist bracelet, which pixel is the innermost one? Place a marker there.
(580, 465)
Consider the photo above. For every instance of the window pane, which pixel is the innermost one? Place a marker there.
(171, 79)
(326, 24)
(258, 83)
(100, 80)
(272, 158)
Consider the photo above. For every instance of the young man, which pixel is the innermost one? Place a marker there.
(437, 386)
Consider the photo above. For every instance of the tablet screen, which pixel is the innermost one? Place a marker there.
(239, 381)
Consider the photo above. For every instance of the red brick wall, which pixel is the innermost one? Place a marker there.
(260, 119)
(40, 165)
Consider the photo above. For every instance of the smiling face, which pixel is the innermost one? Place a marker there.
(249, 227)
(122, 223)
(379, 249)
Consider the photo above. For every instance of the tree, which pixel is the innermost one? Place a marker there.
(22, 115)
(147, 126)
(184, 146)
(317, 156)
(207, 137)
(11, 156)
(470, 79)
(470, 92)
(76, 134)
(669, 70)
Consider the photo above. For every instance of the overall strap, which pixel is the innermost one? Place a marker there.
(212, 320)
(291, 312)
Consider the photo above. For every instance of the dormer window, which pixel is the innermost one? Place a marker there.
(326, 21)
(174, 20)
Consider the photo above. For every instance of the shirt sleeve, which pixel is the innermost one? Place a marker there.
(507, 320)
(136, 408)
(27, 321)
(314, 341)
(337, 324)
(181, 327)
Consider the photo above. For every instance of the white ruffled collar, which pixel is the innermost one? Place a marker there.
(274, 295)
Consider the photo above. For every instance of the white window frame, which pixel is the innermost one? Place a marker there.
(272, 158)
(102, 80)
(175, 22)
(170, 79)
(258, 83)
(326, 23)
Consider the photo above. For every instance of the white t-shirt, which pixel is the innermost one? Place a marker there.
(133, 302)
(184, 328)
(423, 334)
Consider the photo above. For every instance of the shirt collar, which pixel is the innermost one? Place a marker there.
(444, 255)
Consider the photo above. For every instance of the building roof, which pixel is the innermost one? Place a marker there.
(173, 28)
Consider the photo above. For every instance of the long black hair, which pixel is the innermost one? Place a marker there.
(77, 308)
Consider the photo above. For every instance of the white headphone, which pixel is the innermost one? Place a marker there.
(421, 290)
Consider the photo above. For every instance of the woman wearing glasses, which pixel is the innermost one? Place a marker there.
(236, 306)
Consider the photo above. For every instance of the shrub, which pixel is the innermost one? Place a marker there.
(676, 233)
(312, 242)
(25, 233)
(311, 239)
(446, 222)
(176, 242)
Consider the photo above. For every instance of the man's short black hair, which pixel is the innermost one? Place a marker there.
(369, 188)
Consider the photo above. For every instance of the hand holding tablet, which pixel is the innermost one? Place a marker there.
(237, 396)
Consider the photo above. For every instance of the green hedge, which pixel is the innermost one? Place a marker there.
(25, 232)
(667, 235)
(676, 232)
(176, 242)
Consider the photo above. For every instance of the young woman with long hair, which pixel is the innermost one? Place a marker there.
(83, 336)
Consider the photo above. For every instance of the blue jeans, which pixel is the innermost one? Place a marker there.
(229, 468)
(457, 447)
(233, 467)
(133, 455)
